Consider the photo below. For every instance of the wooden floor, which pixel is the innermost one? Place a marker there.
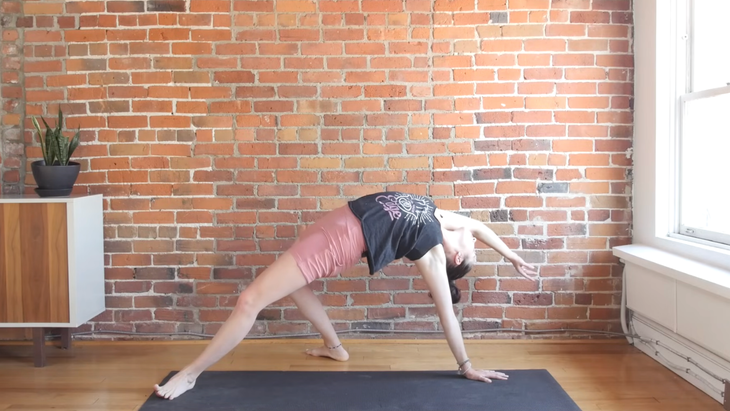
(599, 375)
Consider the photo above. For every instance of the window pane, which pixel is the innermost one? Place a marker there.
(704, 161)
(710, 28)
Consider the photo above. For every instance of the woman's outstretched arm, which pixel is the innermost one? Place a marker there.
(481, 232)
(433, 269)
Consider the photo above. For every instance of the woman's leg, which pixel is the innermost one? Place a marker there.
(276, 282)
(312, 309)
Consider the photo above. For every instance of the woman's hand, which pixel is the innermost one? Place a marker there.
(522, 267)
(484, 375)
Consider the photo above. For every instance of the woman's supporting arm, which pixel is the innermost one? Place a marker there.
(433, 269)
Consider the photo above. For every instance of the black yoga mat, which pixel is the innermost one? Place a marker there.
(526, 390)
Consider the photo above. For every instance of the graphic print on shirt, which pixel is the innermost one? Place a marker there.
(416, 209)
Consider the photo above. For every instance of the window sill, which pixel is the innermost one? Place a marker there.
(703, 276)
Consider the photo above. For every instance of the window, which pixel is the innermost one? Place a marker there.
(703, 143)
(708, 29)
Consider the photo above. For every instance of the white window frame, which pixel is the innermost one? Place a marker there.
(661, 58)
(683, 38)
(691, 233)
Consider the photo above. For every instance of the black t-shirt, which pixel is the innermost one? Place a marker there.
(396, 225)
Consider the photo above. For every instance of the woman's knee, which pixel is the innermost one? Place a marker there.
(248, 303)
(276, 282)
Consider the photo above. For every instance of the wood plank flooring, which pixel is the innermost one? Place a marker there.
(600, 375)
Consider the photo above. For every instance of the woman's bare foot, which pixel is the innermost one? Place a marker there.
(337, 354)
(176, 386)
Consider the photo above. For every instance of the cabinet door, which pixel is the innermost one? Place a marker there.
(33, 263)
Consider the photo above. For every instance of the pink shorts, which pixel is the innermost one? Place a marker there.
(331, 245)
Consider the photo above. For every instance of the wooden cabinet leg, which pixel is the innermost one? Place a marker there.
(65, 338)
(39, 347)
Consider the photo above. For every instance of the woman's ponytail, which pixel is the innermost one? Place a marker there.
(455, 293)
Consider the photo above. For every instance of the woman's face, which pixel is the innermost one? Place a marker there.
(467, 246)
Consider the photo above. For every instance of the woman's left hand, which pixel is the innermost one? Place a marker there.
(485, 375)
(523, 268)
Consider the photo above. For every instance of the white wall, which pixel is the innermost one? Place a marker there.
(676, 290)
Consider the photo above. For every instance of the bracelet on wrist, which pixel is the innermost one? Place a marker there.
(459, 370)
(462, 373)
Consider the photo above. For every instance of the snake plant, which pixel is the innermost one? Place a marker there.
(57, 148)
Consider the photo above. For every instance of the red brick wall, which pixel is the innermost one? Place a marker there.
(11, 96)
(217, 129)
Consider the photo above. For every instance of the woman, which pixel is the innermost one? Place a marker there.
(382, 227)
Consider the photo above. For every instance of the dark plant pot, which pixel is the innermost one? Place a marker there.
(55, 180)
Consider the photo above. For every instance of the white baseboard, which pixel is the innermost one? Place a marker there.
(650, 330)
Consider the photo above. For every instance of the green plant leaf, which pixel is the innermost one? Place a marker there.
(37, 127)
(63, 150)
(74, 143)
(59, 126)
(58, 149)
(40, 138)
(50, 149)
(51, 144)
